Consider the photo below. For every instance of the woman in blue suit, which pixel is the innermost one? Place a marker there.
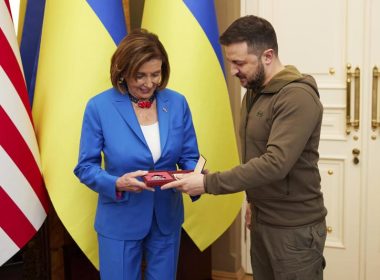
(137, 125)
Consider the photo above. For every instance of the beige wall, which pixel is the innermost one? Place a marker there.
(226, 251)
(227, 11)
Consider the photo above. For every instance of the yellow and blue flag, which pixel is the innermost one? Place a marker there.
(188, 30)
(77, 41)
(29, 37)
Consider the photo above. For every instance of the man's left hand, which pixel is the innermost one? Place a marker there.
(191, 184)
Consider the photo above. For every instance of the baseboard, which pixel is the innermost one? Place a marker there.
(224, 275)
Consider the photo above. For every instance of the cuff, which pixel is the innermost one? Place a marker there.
(205, 183)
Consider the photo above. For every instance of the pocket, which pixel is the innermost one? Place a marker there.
(321, 229)
(308, 238)
(313, 271)
(107, 200)
(277, 190)
(319, 232)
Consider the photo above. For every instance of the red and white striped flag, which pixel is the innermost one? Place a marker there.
(23, 197)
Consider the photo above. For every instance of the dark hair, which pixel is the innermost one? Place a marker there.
(137, 48)
(257, 32)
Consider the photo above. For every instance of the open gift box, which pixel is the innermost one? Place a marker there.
(157, 178)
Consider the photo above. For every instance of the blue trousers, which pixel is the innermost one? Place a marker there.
(122, 259)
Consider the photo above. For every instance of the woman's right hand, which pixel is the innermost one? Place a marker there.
(129, 183)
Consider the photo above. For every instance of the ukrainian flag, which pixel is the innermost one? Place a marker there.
(77, 42)
(29, 36)
(188, 30)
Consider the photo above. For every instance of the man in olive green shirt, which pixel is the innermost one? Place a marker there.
(279, 134)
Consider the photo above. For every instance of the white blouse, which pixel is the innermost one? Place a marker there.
(152, 138)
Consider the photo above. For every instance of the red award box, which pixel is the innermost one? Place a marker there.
(157, 178)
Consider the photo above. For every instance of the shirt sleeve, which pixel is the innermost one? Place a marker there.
(296, 115)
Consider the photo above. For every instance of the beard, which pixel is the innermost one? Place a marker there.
(256, 82)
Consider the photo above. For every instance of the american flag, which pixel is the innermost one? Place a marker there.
(23, 197)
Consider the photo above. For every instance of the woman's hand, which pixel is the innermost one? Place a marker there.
(129, 183)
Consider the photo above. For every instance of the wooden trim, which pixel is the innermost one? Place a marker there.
(127, 14)
(224, 275)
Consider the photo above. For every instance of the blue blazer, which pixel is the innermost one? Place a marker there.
(110, 126)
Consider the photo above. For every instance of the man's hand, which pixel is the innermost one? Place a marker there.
(192, 184)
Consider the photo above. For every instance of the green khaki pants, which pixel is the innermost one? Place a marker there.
(292, 253)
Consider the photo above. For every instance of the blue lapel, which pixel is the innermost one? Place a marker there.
(163, 112)
(125, 109)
